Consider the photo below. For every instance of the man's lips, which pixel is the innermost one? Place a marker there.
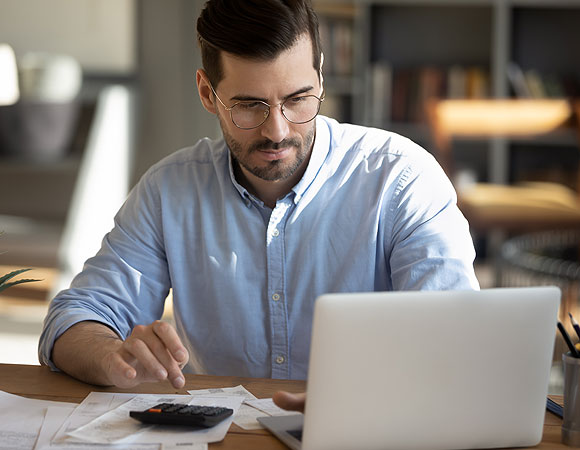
(271, 154)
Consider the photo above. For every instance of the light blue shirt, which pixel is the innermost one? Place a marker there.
(373, 212)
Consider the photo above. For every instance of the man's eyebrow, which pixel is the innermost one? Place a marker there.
(246, 98)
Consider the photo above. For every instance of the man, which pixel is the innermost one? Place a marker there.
(250, 229)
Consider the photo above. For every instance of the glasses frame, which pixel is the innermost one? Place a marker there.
(230, 108)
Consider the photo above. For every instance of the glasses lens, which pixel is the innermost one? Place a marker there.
(301, 109)
(249, 114)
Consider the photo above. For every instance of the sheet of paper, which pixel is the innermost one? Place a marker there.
(268, 406)
(21, 420)
(97, 404)
(94, 405)
(116, 426)
(198, 446)
(56, 416)
(246, 416)
(225, 391)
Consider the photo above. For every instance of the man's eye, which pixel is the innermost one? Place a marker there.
(250, 105)
(294, 100)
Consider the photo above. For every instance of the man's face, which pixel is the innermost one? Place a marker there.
(277, 149)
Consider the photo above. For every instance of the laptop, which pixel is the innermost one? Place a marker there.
(426, 370)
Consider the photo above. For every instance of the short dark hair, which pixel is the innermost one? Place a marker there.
(255, 29)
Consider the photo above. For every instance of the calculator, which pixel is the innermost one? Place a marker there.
(181, 414)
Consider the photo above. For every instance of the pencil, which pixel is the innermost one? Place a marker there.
(573, 350)
(575, 325)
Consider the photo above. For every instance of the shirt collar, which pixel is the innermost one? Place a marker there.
(241, 189)
(320, 151)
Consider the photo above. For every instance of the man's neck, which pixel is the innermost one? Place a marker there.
(268, 191)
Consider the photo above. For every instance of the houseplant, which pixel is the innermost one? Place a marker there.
(5, 280)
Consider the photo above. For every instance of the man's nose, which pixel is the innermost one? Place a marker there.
(276, 127)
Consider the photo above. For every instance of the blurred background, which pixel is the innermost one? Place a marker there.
(105, 88)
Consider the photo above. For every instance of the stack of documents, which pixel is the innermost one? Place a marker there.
(102, 420)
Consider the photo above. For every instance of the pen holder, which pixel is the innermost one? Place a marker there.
(571, 424)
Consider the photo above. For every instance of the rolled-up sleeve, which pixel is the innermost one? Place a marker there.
(125, 283)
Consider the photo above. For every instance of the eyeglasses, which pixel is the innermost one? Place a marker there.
(249, 114)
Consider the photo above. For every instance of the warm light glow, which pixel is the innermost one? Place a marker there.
(501, 117)
(9, 92)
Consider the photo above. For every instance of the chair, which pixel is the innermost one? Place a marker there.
(512, 208)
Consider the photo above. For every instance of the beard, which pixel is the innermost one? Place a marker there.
(278, 170)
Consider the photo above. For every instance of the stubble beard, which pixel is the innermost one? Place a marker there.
(276, 170)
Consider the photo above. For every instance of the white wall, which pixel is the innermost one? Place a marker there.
(100, 34)
(170, 113)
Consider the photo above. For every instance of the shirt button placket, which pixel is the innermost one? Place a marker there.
(276, 283)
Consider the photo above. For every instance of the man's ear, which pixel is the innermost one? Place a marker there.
(204, 90)
(320, 70)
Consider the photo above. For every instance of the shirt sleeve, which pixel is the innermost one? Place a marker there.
(431, 247)
(125, 283)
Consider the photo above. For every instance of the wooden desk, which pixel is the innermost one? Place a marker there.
(39, 382)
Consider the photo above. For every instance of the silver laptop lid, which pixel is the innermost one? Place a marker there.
(429, 370)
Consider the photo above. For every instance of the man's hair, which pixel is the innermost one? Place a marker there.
(254, 29)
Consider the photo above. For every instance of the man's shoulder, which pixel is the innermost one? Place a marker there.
(373, 141)
(203, 155)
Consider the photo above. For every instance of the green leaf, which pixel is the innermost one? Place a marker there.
(12, 283)
(10, 275)
(4, 284)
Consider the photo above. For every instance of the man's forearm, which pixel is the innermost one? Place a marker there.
(81, 351)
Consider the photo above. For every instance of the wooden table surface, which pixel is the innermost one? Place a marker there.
(39, 382)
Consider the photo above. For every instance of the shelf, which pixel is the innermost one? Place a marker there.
(449, 35)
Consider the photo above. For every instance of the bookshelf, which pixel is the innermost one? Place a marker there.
(405, 51)
(340, 39)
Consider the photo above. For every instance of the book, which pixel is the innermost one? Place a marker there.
(381, 75)
(535, 84)
(477, 83)
(518, 81)
(456, 82)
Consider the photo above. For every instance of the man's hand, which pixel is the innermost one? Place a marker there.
(288, 401)
(92, 352)
(151, 353)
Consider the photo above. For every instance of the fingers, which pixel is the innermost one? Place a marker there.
(172, 351)
(120, 372)
(289, 401)
(171, 341)
(151, 353)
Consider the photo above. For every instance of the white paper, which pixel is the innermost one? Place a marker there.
(56, 416)
(53, 419)
(198, 446)
(20, 420)
(268, 406)
(246, 416)
(116, 426)
(225, 391)
(94, 405)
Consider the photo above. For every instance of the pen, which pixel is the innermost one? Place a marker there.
(573, 350)
(554, 407)
(575, 325)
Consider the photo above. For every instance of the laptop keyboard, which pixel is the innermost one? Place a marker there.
(296, 433)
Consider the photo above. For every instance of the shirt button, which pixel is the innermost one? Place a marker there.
(275, 232)
(280, 359)
(276, 297)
